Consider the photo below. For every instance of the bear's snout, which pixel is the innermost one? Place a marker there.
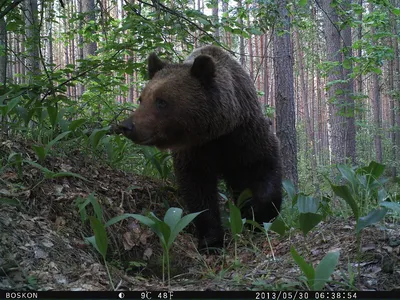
(127, 128)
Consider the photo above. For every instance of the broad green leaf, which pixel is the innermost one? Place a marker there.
(100, 235)
(324, 270)
(373, 217)
(180, 226)
(235, 219)
(161, 229)
(76, 123)
(11, 104)
(244, 197)
(52, 111)
(307, 204)
(303, 2)
(45, 171)
(305, 267)
(391, 205)
(278, 226)
(142, 219)
(376, 70)
(96, 135)
(40, 152)
(96, 207)
(172, 217)
(267, 226)
(82, 203)
(12, 26)
(349, 174)
(308, 221)
(373, 171)
(290, 190)
(344, 192)
(92, 240)
(256, 225)
(56, 139)
(347, 64)
(382, 195)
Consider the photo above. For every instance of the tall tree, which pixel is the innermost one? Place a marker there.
(32, 32)
(3, 53)
(376, 101)
(89, 9)
(348, 86)
(241, 38)
(339, 102)
(215, 4)
(284, 94)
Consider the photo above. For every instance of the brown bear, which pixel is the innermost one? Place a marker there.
(207, 113)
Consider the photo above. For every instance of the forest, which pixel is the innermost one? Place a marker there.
(82, 208)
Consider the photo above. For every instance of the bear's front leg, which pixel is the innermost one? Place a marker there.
(197, 180)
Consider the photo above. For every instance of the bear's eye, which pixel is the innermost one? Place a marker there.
(160, 103)
(139, 101)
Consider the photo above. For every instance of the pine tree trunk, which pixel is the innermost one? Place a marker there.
(284, 94)
(3, 55)
(376, 104)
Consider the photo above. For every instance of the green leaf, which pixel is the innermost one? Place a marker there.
(373, 171)
(254, 31)
(96, 135)
(349, 174)
(180, 226)
(303, 2)
(40, 152)
(376, 70)
(235, 219)
(142, 219)
(290, 189)
(100, 235)
(382, 195)
(12, 26)
(52, 111)
(244, 196)
(373, 217)
(96, 206)
(161, 229)
(56, 139)
(396, 11)
(45, 171)
(324, 270)
(391, 205)
(306, 268)
(75, 124)
(347, 64)
(308, 221)
(344, 192)
(172, 217)
(255, 224)
(307, 204)
(277, 226)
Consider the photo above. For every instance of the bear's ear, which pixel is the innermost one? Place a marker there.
(154, 65)
(203, 68)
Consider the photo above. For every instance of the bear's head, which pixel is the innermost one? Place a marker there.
(173, 104)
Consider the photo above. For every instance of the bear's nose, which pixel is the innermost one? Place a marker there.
(127, 126)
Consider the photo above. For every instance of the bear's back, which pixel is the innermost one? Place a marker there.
(231, 73)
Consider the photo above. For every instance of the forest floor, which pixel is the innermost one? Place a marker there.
(42, 244)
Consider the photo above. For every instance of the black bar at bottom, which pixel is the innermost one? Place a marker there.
(166, 295)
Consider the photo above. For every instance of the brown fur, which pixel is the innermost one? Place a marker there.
(206, 111)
